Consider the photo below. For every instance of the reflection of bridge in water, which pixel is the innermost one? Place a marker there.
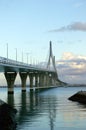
(43, 76)
(32, 106)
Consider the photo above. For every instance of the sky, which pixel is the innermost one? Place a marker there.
(28, 25)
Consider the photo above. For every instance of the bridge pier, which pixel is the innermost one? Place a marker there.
(55, 79)
(41, 80)
(44, 80)
(50, 79)
(31, 75)
(47, 79)
(23, 77)
(10, 78)
(36, 80)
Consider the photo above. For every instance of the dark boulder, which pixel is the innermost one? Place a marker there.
(79, 97)
(7, 117)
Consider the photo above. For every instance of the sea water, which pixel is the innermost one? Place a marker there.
(48, 110)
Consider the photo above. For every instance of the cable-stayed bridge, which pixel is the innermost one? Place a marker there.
(44, 76)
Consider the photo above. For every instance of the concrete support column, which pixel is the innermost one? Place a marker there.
(23, 77)
(54, 79)
(41, 80)
(50, 80)
(36, 83)
(45, 80)
(10, 78)
(53, 82)
(36, 80)
(31, 79)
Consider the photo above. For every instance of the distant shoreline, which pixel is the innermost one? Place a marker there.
(69, 85)
(77, 85)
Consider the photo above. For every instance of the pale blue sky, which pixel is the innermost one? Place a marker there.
(26, 25)
(29, 25)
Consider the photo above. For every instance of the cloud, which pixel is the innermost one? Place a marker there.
(72, 68)
(70, 56)
(79, 4)
(76, 26)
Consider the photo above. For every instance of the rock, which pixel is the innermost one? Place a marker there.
(79, 97)
(7, 117)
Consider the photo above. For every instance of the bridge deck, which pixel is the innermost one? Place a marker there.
(8, 65)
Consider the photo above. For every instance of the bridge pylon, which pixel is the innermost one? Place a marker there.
(51, 59)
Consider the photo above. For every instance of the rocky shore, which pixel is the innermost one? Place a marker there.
(7, 116)
(79, 97)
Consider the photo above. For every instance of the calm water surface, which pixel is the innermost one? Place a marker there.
(49, 110)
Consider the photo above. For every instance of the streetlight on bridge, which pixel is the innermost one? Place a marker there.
(27, 57)
(16, 54)
(7, 50)
(22, 56)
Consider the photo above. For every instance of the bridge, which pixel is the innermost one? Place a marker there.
(44, 76)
